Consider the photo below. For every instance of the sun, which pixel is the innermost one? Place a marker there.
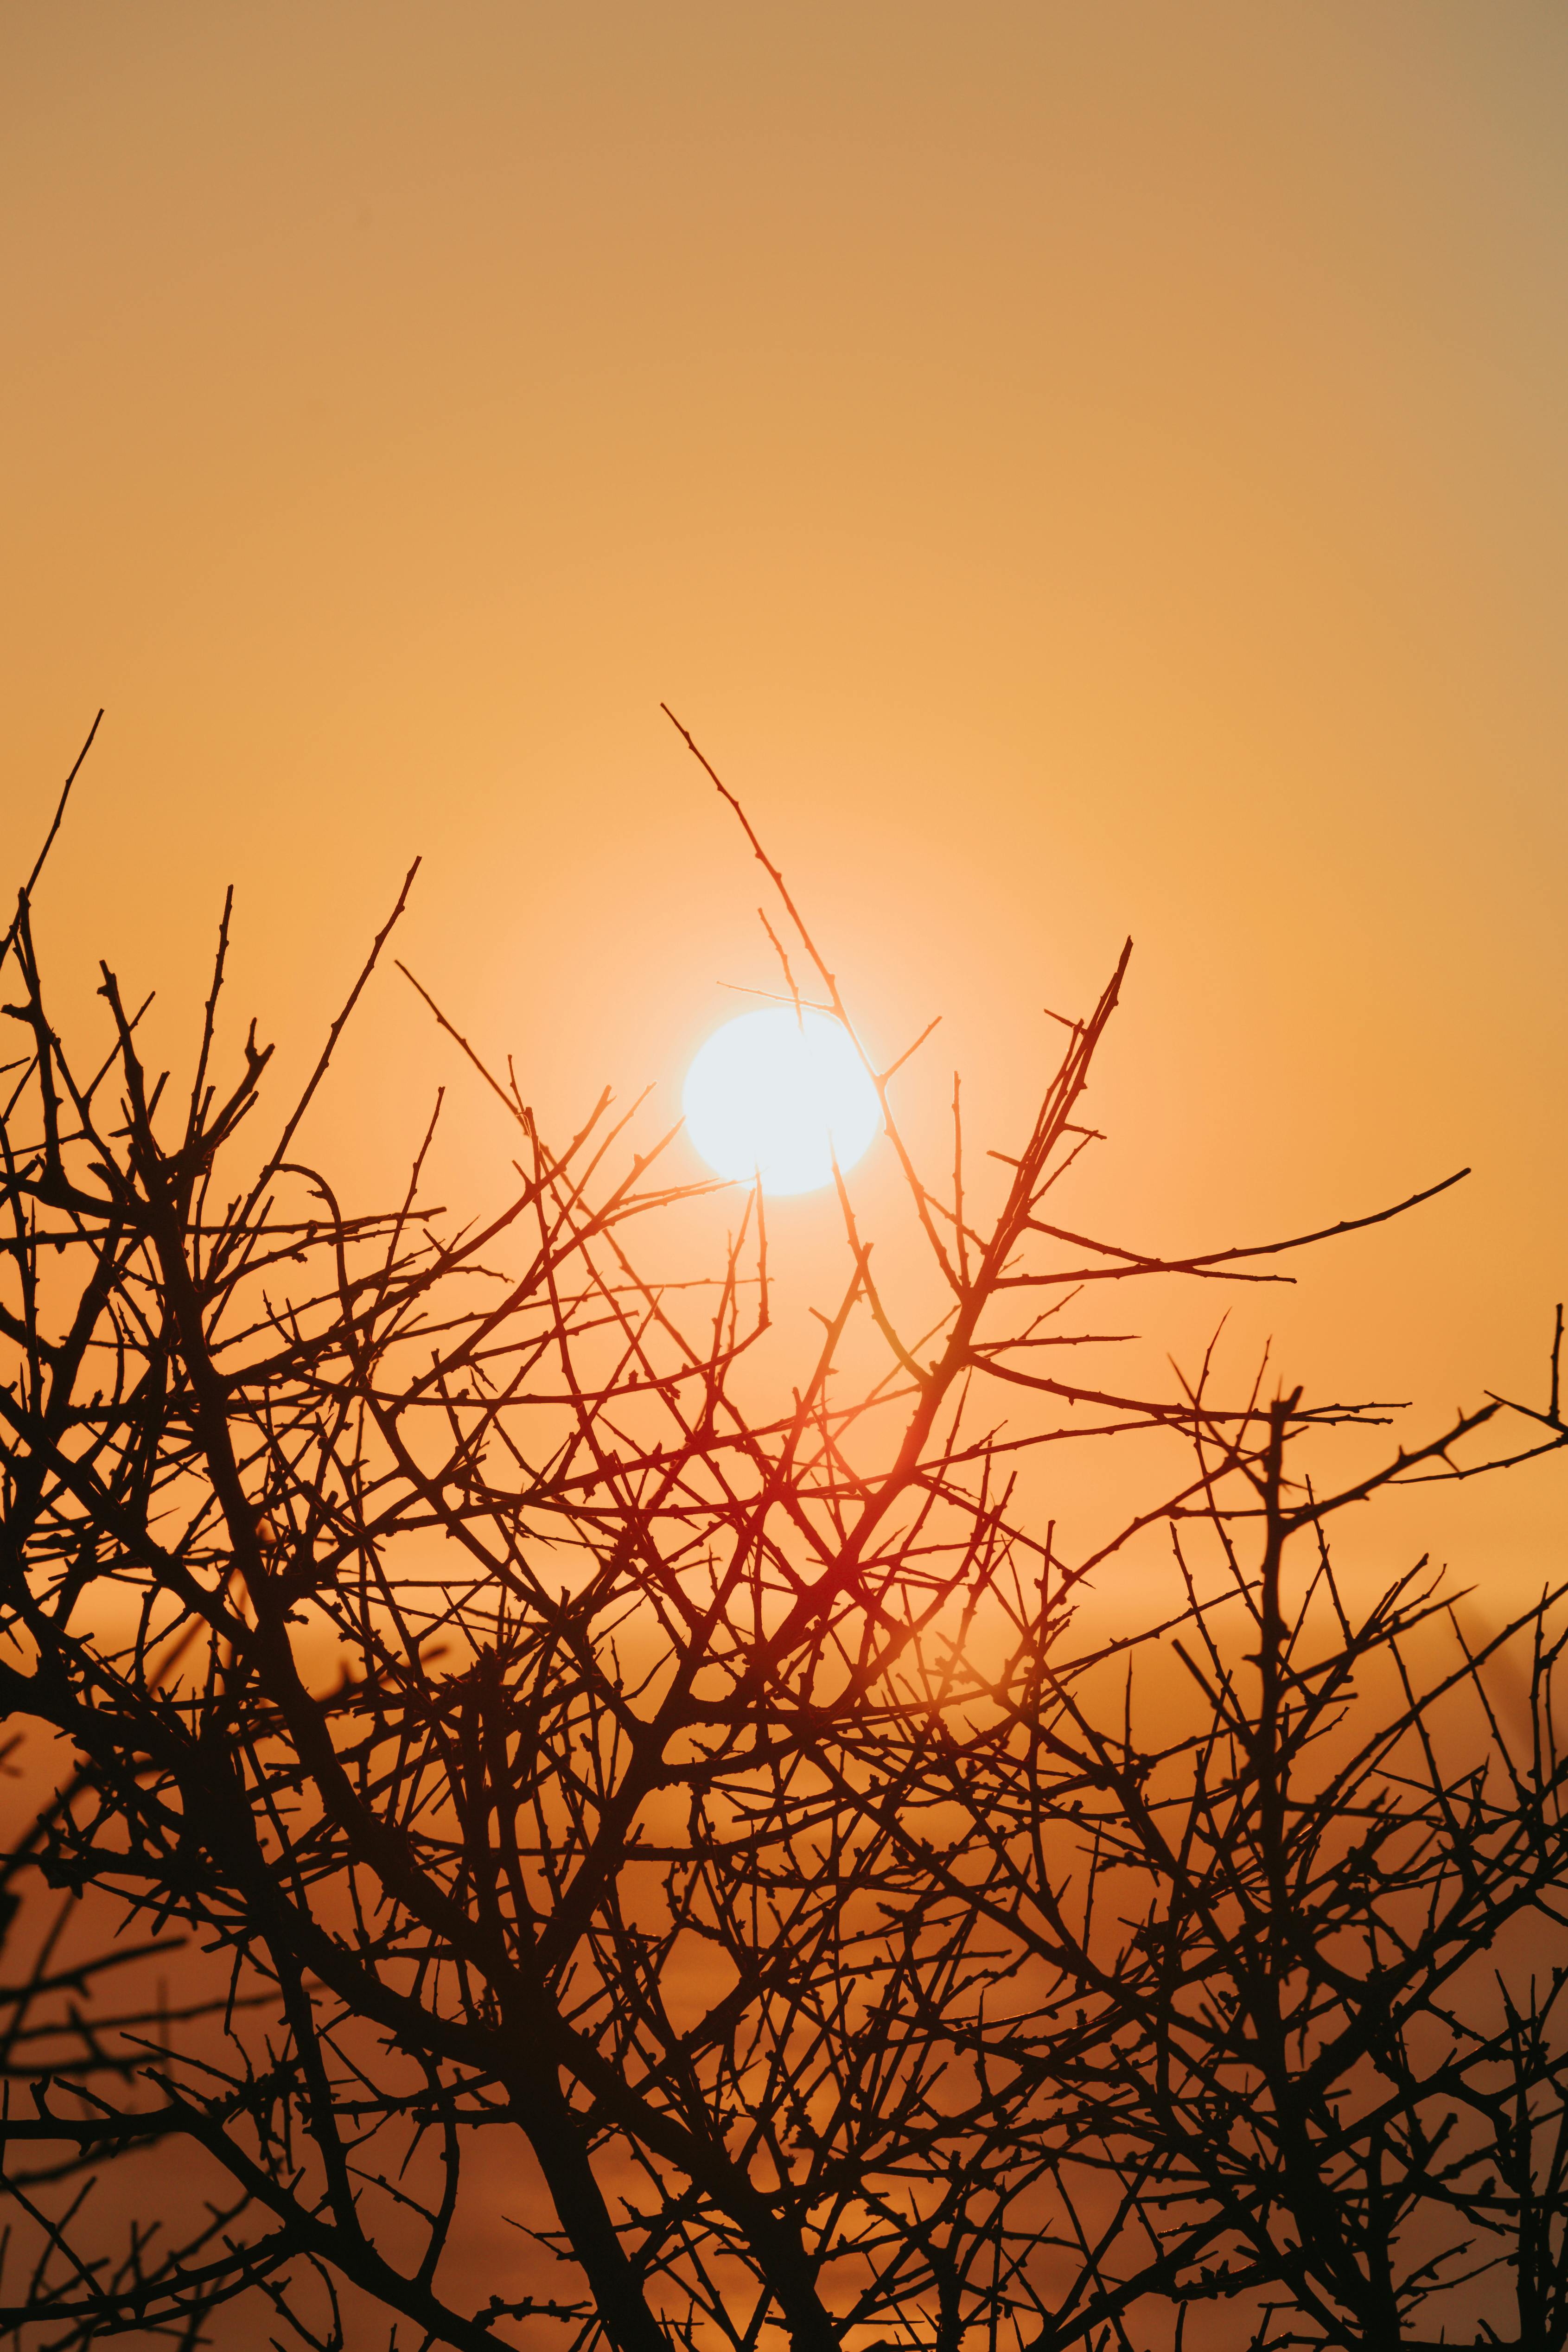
(780, 1095)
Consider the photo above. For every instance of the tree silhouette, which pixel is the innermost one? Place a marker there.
(558, 1782)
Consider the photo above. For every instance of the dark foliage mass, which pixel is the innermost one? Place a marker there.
(516, 1779)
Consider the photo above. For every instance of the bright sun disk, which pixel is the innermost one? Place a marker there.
(780, 1095)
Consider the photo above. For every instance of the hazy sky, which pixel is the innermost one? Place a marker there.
(1077, 469)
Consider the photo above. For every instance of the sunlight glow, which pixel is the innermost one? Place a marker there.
(778, 1096)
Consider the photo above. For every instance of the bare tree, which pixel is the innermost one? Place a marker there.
(705, 1827)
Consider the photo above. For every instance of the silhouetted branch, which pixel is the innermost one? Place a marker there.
(702, 1833)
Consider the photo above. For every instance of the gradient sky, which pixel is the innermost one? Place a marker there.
(1077, 469)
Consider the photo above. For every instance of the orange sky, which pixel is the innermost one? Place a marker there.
(1077, 469)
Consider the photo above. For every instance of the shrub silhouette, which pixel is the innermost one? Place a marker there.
(713, 1832)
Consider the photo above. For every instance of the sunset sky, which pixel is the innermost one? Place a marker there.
(1077, 469)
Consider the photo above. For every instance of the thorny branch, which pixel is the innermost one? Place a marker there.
(512, 1737)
